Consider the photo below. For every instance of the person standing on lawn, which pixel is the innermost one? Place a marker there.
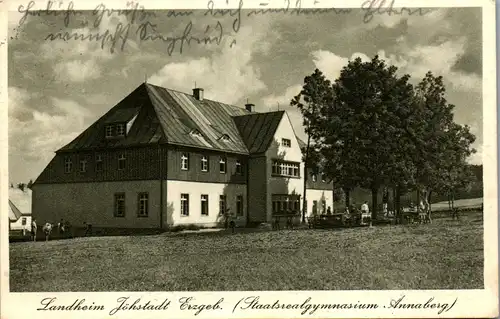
(33, 229)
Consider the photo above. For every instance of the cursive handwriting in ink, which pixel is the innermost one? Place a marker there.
(147, 32)
(49, 10)
(223, 12)
(372, 7)
(133, 12)
(298, 10)
(121, 33)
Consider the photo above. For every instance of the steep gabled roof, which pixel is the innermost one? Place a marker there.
(167, 116)
(14, 212)
(180, 114)
(257, 129)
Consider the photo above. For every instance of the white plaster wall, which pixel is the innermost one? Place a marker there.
(318, 195)
(93, 203)
(195, 190)
(18, 224)
(283, 185)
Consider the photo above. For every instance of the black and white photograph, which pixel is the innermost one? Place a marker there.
(230, 146)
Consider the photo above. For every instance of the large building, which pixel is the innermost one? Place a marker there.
(161, 158)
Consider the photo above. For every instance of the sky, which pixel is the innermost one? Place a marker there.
(58, 88)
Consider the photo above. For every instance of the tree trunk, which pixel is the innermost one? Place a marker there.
(452, 200)
(418, 201)
(397, 201)
(306, 175)
(347, 193)
(374, 202)
(430, 205)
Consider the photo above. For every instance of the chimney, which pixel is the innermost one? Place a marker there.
(250, 107)
(198, 94)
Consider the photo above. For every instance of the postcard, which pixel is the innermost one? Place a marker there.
(248, 159)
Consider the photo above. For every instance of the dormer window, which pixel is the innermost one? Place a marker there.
(225, 138)
(120, 129)
(109, 131)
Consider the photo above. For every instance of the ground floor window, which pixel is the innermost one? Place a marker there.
(185, 204)
(286, 204)
(119, 205)
(315, 207)
(23, 221)
(239, 205)
(222, 204)
(204, 205)
(143, 200)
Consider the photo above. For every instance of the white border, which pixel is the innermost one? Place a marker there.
(471, 303)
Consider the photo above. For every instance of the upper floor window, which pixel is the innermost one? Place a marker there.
(289, 169)
(222, 165)
(323, 178)
(286, 142)
(68, 165)
(185, 161)
(120, 129)
(239, 170)
(109, 130)
(313, 177)
(83, 165)
(98, 163)
(121, 161)
(204, 164)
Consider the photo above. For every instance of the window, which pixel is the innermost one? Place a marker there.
(323, 178)
(288, 169)
(119, 205)
(239, 205)
(285, 142)
(222, 204)
(109, 130)
(120, 129)
(239, 171)
(184, 204)
(121, 161)
(225, 138)
(204, 164)
(315, 207)
(68, 163)
(23, 221)
(314, 177)
(323, 206)
(143, 209)
(83, 165)
(185, 161)
(204, 205)
(285, 204)
(98, 162)
(222, 165)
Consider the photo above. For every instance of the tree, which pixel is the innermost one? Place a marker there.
(30, 184)
(316, 93)
(442, 145)
(363, 124)
(21, 186)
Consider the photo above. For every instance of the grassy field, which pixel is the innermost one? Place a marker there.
(444, 255)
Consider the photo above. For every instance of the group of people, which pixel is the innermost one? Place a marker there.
(62, 227)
